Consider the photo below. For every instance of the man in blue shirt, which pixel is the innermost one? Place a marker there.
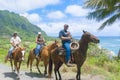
(65, 37)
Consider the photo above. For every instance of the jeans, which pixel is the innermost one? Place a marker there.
(66, 45)
(37, 49)
(10, 51)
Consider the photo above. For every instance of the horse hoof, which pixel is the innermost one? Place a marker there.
(40, 73)
(45, 75)
(18, 78)
(13, 71)
(49, 76)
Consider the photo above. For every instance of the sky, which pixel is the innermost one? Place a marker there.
(51, 15)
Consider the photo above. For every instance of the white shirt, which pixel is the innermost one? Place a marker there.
(16, 40)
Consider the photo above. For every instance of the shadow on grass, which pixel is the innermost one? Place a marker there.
(10, 75)
(33, 74)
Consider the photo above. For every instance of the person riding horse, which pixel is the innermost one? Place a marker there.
(65, 37)
(15, 42)
(40, 43)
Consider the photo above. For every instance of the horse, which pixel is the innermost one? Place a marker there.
(79, 55)
(43, 56)
(17, 57)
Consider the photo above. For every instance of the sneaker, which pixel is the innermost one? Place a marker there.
(8, 58)
(37, 56)
(69, 65)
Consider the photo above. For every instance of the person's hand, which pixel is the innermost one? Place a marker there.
(13, 44)
(69, 38)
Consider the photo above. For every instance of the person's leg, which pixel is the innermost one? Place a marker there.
(37, 49)
(10, 51)
(67, 48)
(41, 46)
(9, 54)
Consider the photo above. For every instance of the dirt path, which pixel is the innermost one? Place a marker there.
(6, 74)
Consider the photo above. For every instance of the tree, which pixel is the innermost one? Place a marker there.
(104, 9)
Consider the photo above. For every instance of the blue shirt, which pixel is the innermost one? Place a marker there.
(64, 34)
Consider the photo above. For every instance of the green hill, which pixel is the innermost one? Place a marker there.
(11, 22)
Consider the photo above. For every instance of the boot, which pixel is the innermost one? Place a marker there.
(6, 58)
(68, 64)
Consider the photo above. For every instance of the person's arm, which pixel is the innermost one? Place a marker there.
(62, 37)
(11, 42)
(19, 40)
(36, 40)
(65, 38)
(43, 40)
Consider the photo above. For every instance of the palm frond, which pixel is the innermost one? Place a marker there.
(99, 4)
(101, 14)
(110, 21)
(104, 9)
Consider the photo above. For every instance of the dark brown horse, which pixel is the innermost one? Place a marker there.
(17, 56)
(44, 56)
(79, 55)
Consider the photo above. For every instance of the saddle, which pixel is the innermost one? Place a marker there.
(11, 55)
(61, 51)
(40, 50)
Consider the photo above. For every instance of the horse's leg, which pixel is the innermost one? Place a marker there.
(11, 65)
(15, 65)
(55, 71)
(59, 65)
(18, 69)
(78, 73)
(45, 64)
(37, 64)
(31, 61)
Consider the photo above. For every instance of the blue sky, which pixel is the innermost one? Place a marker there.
(51, 15)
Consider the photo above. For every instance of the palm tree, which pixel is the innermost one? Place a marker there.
(104, 9)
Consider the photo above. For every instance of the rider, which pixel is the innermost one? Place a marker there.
(15, 42)
(40, 43)
(65, 37)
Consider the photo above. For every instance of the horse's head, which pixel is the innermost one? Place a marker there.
(89, 37)
(56, 44)
(22, 51)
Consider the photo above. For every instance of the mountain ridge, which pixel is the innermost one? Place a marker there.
(11, 22)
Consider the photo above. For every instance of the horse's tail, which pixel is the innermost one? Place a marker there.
(28, 61)
(50, 66)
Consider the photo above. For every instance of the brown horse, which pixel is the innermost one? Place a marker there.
(79, 55)
(17, 56)
(44, 56)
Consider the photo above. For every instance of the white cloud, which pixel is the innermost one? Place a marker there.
(33, 18)
(76, 10)
(76, 28)
(25, 5)
(111, 30)
(56, 15)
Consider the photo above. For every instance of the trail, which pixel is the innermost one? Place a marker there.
(7, 74)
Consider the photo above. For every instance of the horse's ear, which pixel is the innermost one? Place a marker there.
(24, 48)
(84, 31)
(56, 41)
